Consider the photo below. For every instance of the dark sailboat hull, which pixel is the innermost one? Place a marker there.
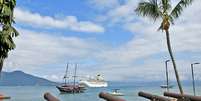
(71, 89)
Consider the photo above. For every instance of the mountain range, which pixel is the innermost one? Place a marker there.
(19, 78)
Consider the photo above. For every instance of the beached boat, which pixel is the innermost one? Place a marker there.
(70, 88)
(98, 81)
(116, 93)
(165, 86)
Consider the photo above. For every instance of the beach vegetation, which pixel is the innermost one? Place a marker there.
(7, 31)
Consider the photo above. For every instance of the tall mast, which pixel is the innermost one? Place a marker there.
(74, 78)
(75, 73)
(167, 78)
(66, 74)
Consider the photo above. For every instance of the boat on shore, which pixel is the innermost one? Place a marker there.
(116, 93)
(166, 86)
(70, 88)
(96, 82)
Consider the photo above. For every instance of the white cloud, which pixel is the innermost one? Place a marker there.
(53, 77)
(148, 42)
(69, 22)
(130, 61)
(35, 50)
(104, 4)
(120, 14)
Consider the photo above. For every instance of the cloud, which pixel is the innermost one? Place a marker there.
(45, 55)
(35, 50)
(69, 22)
(141, 58)
(147, 42)
(120, 14)
(53, 77)
(104, 4)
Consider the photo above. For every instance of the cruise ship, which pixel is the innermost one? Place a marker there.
(98, 81)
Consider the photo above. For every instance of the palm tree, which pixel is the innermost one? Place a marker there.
(162, 9)
(7, 32)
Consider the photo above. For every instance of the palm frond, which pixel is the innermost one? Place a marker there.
(12, 4)
(6, 38)
(171, 19)
(7, 42)
(149, 8)
(166, 5)
(7, 32)
(179, 8)
(15, 33)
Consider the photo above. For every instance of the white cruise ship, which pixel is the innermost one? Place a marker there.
(98, 81)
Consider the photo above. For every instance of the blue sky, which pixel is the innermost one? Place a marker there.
(102, 36)
(83, 11)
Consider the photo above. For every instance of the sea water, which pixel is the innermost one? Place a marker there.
(35, 93)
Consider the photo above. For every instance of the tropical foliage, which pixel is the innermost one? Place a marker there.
(162, 9)
(7, 31)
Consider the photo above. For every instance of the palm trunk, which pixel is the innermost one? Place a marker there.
(173, 61)
(1, 64)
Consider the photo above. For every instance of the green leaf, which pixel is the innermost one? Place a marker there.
(149, 8)
(15, 33)
(166, 5)
(1, 1)
(6, 11)
(176, 12)
(8, 32)
(12, 4)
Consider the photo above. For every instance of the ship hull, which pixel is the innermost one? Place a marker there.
(94, 84)
(71, 89)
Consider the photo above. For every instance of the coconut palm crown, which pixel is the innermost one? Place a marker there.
(162, 9)
(7, 32)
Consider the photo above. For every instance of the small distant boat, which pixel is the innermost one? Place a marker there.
(165, 86)
(98, 81)
(70, 88)
(116, 93)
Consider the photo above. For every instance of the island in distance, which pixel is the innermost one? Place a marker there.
(19, 78)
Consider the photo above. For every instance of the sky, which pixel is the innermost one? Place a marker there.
(103, 37)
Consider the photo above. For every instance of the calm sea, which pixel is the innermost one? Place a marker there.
(35, 93)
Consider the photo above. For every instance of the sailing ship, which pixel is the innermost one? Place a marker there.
(70, 88)
(98, 81)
